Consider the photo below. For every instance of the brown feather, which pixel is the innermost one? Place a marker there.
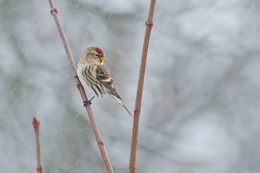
(104, 77)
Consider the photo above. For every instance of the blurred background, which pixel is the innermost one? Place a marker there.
(200, 109)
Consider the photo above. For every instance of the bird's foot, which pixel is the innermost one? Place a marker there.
(88, 102)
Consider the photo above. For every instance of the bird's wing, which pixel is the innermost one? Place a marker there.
(104, 77)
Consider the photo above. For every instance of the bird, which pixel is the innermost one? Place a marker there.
(92, 70)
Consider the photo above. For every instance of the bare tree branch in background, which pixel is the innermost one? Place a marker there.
(36, 126)
(138, 101)
(95, 129)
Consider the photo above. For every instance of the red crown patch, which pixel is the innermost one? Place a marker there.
(99, 50)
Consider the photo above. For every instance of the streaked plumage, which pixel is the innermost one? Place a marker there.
(95, 74)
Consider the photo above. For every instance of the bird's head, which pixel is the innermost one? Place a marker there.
(93, 55)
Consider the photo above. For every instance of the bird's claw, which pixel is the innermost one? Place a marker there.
(88, 102)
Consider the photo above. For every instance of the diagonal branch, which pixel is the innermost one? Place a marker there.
(95, 129)
(138, 101)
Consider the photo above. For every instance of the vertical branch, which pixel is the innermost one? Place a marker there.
(36, 126)
(95, 129)
(138, 101)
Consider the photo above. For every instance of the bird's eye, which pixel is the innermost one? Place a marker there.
(96, 55)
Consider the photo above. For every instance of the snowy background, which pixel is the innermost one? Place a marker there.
(201, 99)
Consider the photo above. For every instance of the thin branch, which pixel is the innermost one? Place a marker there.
(36, 126)
(138, 101)
(95, 129)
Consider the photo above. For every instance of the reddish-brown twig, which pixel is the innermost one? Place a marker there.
(36, 126)
(138, 101)
(95, 129)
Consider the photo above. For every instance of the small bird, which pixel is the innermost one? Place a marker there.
(95, 74)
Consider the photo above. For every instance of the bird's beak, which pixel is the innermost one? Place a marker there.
(103, 58)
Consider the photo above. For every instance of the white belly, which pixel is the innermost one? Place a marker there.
(90, 93)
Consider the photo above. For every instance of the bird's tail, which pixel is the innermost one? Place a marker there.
(119, 100)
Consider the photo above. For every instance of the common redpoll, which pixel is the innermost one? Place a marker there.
(95, 74)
